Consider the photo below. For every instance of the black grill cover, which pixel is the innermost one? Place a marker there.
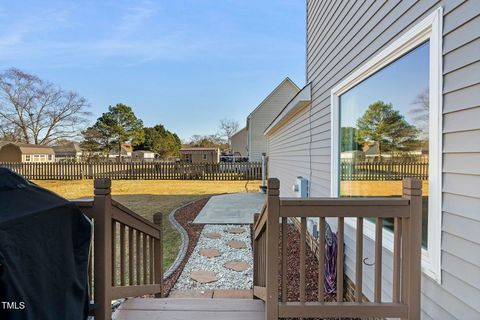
(44, 246)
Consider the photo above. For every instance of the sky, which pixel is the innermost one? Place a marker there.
(399, 84)
(185, 64)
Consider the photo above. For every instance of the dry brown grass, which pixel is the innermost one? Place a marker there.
(147, 197)
(376, 188)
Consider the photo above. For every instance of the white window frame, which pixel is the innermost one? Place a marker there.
(429, 29)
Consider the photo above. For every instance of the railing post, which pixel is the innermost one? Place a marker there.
(102, 214)
(412, 190)
(273, 213)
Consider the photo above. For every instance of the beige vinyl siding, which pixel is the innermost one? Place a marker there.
(264, 114)
(342, 36)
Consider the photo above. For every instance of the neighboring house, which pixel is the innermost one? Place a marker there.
(22, 152)
(259, 119)
(199, 155)
(143, 155)
(238, 143)
(391, 51)
(126, 152)
(68, 152)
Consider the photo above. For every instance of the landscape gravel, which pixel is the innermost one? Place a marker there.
(227, 279)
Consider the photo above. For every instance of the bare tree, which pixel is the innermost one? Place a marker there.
(227, 128)
(420, 112)
(36, 111)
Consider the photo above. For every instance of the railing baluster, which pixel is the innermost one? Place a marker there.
(359, 260)
(397, 236)
(378, 260)
(284, 259)
(130, 256)
(151, 259)
(114, 253)
(144, 265)
(137, 257)
(340, 260)
(303, 243)
(122, 255)
(321, 259)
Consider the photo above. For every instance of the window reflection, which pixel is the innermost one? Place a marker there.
(384, 131)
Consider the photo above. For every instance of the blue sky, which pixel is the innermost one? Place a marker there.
(399, 84)
(184, 63)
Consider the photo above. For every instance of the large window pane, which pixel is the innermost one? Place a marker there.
(384, 133)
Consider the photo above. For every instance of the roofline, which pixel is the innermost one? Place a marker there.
(286, 80)
(296, 104)
(244, 128)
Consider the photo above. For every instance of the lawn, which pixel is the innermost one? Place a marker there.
(147, 197)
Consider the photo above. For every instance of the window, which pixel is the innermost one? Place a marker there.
(27, 158)
(204, 157)
(386, 125)
(49, 157)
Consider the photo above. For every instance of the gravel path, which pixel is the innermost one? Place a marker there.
(226, 278)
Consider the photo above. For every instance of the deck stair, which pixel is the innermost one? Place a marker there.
(190, 309)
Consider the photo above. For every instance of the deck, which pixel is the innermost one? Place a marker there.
(190, 309)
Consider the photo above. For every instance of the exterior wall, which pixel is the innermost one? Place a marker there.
(10, 153)
(343, 35)
(239, 142)
(196, 157)
(261, 118)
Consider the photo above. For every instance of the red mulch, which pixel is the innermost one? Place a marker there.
(184, 216)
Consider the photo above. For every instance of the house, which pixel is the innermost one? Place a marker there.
(238, 143)
(143, 155)
(259, 119)
(68, 152)
(200, 155)
(126, 152)
(395, 51)
(23, 152)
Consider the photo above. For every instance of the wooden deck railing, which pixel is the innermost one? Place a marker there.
(126, 256)
(406, 212)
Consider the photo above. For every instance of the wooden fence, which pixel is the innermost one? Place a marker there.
(407, 215)
(126, 260)
(137, 170)
(352, 170)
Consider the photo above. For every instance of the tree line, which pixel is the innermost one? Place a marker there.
(36, 111)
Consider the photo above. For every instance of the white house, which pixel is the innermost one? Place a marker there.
(362, 52)
(259, 119)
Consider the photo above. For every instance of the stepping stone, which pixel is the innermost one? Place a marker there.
(210, 253)
(203, 276)
(213, 235)
(235, 230)
(237, 265)
(235, 244)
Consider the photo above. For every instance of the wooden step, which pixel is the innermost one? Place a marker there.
(190, 309)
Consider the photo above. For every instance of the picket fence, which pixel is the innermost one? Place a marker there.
(137, 170)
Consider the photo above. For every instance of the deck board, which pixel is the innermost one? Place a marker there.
(190, 309)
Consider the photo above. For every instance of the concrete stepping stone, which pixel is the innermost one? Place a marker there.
(203, 276)
(235, 244)
(213, 235)
(210, 253)
(235, 230)
(237, 265)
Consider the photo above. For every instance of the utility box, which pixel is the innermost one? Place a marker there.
(301, 187)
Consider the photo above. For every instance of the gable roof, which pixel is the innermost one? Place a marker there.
(238, 132)
(285, 81)
(26, 148)
(68, 147)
